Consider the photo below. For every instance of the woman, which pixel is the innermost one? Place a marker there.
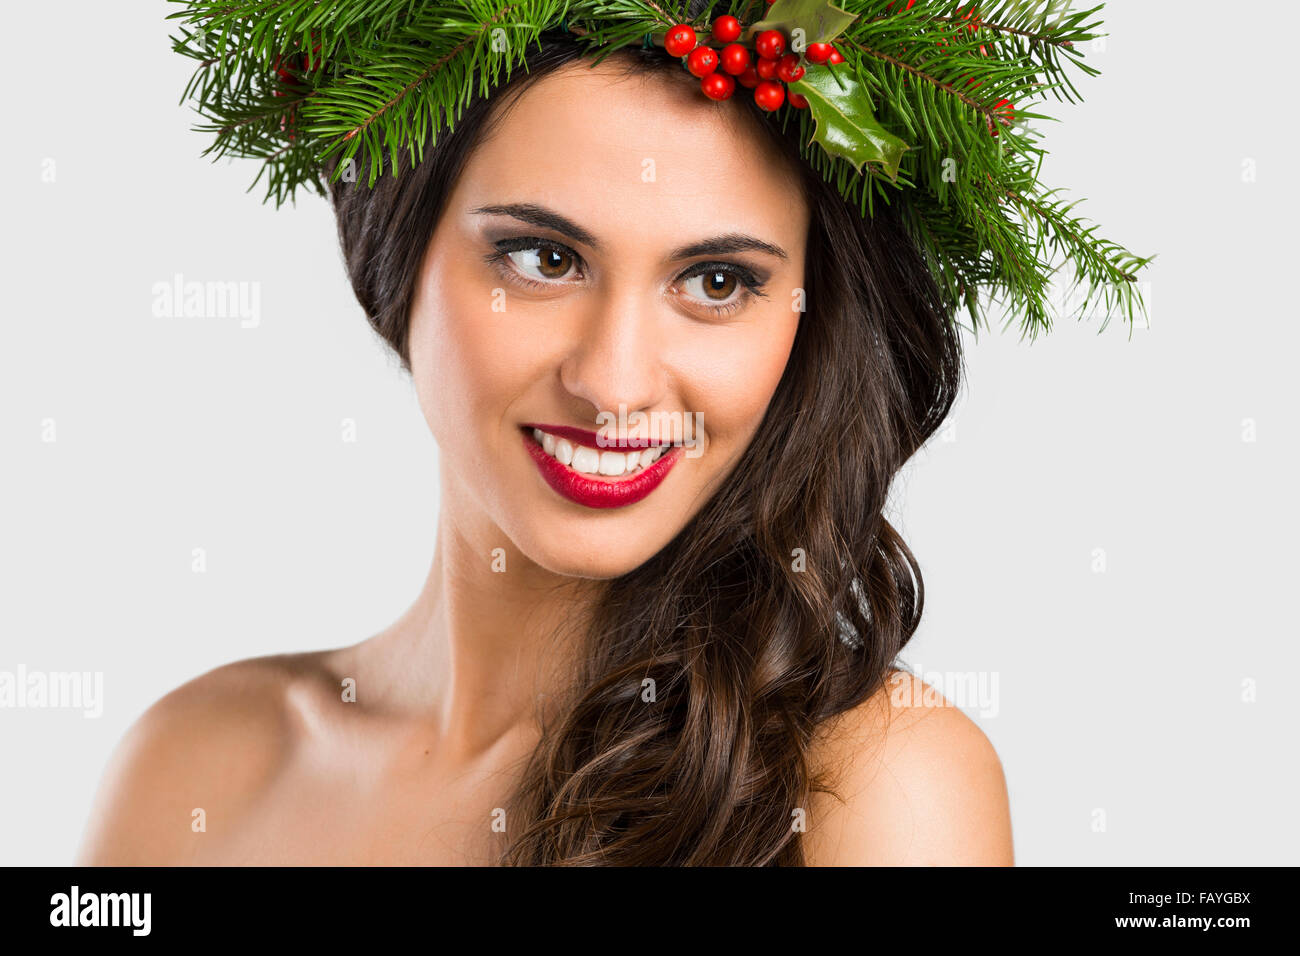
(689, 662)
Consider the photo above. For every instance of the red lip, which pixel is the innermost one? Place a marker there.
(596, 492)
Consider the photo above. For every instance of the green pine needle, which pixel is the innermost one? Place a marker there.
(309, 85)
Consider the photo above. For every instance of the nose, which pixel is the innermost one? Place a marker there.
(617, 358)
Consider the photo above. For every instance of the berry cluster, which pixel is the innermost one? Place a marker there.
(720, 70)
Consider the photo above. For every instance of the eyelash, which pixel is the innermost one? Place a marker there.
(749, 282)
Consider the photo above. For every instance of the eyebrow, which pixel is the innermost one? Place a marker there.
(550, 219)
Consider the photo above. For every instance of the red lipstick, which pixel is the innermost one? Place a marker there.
(597, 491)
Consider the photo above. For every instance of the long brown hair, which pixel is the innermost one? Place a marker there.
(784, 602)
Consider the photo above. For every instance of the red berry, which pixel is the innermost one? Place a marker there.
(817, 52)
(835, 57)
(770, 44)
(798, 100)
(718, 86)
(680, 40)
(726, 29)
(282, 69)
(769, 95)
(766, 68)
(735, 58)
(1008, 110)
(749, 79)
(702, 61)
(788, 68)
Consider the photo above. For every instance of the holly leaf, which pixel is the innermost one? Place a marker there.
(820, 20)
(845, 125)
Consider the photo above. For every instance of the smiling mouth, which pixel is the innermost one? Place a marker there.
(596, 477)
(579, 453)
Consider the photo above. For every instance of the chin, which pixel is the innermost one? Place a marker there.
(593, 556)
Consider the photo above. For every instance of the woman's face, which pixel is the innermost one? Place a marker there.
(617, 244)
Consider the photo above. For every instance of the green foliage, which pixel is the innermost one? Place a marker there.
(844, 124)
(821, 20)
(306, 85)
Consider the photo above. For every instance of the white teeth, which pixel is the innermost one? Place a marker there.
(613, 463)
(586, 460)
(592, 461)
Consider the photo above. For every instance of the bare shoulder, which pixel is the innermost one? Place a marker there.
(209, 747)
(916, 783)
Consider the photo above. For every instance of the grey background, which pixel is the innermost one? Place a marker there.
(1119, 692)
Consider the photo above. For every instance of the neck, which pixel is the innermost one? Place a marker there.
(488, 642)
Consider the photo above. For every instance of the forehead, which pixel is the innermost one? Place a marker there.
(645, 153)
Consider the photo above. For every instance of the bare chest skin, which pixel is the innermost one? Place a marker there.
(368, 792)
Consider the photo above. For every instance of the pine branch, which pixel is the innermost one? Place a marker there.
(297, 84)
(424, 75)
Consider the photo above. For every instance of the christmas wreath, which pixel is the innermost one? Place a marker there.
(924, 103)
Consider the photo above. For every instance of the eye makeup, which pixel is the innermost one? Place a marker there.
(543, 253)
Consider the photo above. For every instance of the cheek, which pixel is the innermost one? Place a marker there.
(732, 382)
(465, 364)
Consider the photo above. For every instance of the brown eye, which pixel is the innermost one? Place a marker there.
(543, 262)
(554, 263)
(719, 285)
(713, 286)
